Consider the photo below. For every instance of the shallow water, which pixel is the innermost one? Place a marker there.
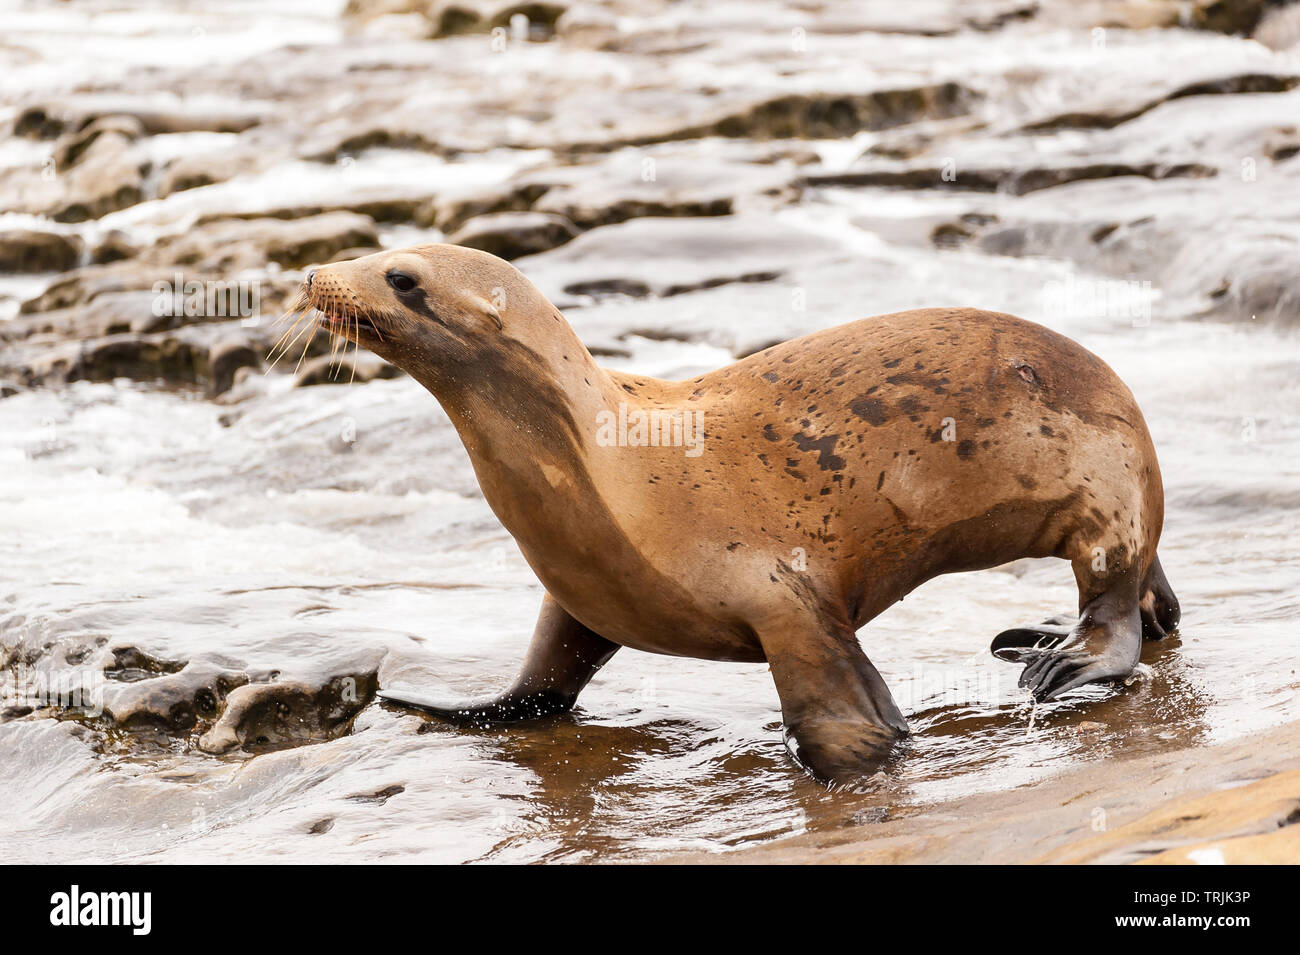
(301, 530)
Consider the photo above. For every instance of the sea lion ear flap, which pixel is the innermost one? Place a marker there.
(489, 308)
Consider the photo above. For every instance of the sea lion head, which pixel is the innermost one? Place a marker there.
(435, 311)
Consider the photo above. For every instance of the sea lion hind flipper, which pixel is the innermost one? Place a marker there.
(561, 659)
(1158, 605)
(1105, 644)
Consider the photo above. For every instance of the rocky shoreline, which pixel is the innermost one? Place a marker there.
(139, 184)
(1231, 804)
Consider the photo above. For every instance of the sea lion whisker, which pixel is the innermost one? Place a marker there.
(305, 345)
(297, 315)
(356, 350)
(281, 347)
(298, 310)
(285, 350)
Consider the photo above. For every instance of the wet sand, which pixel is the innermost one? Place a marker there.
(1235, 804)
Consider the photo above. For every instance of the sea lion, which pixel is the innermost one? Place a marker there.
(832, 475)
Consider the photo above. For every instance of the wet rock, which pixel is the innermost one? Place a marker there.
(1111, 114)
(658, 256)
(27, 250)
(373, 9)
(542, 17)
(194, 172)
(128, 664)
(115, 312)
(829, 115)
(230, 244)
(107, 178)
(1228, 16)
(1016, 181)
(225, 359)
(512, 235)
(684, 288)
(455, 19)
(141, 357)
(949, 235)
(686, 180)
(609, 288)
(450, 213)
(70, 148)
(1260, 284)
(589, 209)
(448, 18)
(80, 286)
(347, 255)
(174, 702)
(114, 247)
(264, 716)
(39, 122)
(73, 114)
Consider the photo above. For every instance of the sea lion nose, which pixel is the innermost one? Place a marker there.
(311, 275)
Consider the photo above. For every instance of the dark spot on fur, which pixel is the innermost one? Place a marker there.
(910, 405)
(1026, 482)
(870, 410)
(1045, 430)
(770, 433)
(827, 459)
(966, 449)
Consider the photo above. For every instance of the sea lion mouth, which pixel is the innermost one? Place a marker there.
(310, 311)
(349, 325)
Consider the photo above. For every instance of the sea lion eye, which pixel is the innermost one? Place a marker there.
(400, 281)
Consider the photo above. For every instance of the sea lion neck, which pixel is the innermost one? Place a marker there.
(527, 407)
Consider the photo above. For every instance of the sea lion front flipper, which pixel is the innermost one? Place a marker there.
(562, 658)
(839, 720)
(1022, 644)
(509, 707)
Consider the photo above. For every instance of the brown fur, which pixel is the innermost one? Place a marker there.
(829, 450)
